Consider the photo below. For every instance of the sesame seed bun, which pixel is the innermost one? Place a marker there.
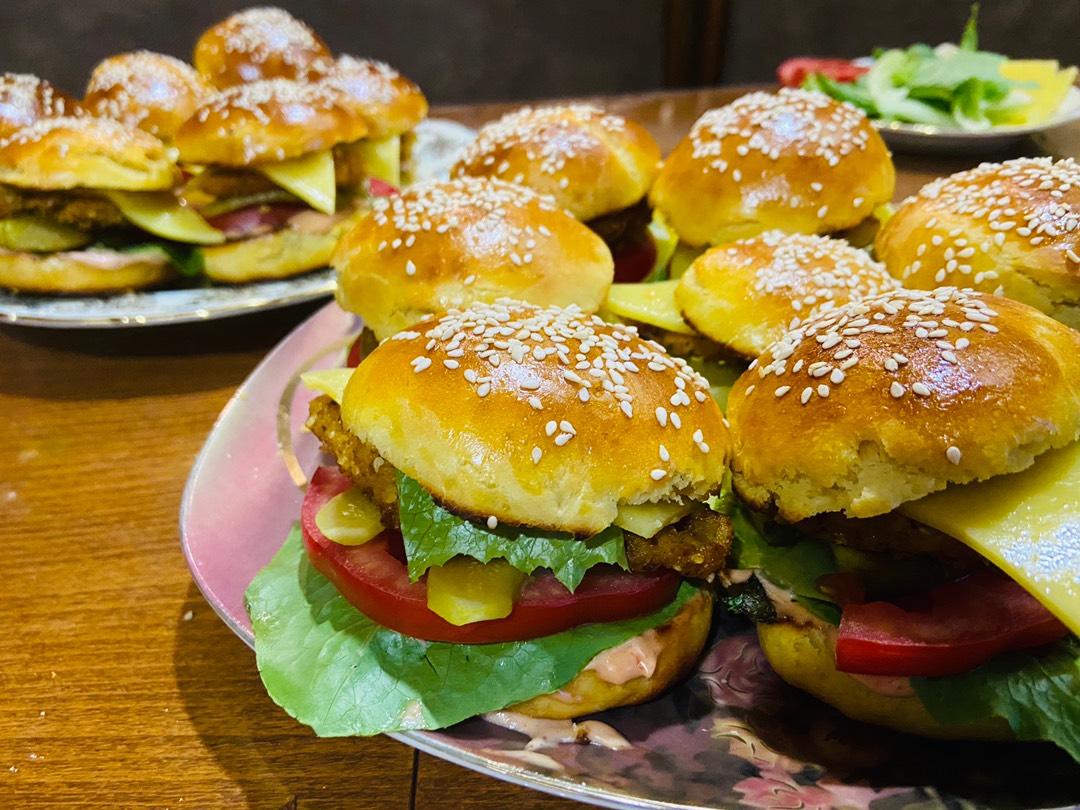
(25, 99)
(795, 161)
(151, 91)
(746, 294)
(259, 43)
(547, 418)
(592, 162)
(82, 272)
(65, 153)
(443, 245)
(680, 641)
(1013, 226)
(266, 122)
(388, 103)
(883, 401)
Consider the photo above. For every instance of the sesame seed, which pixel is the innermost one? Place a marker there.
(492, 522)
(551, 427)
(537, 453)
(664, 454)
(410, 268)
(896, 389)
(658, 474)
(921, 389)
(953, 454)
(562, 439)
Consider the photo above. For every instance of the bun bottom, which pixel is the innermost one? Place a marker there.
(682, 639)
(805, 656)
(82, 272)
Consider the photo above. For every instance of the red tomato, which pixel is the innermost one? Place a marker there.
(635, 262)
(256, 219)
(793, 72)
(356, 351)
(380, 188)
(945, 631)
(374, 579)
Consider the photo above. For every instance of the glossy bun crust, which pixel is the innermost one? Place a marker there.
(682, 638)
(884, 401)
(151, 91)
(64, 153)
(260, 43)
(795, 161)
(540, 417)
(82, 272)
(267, 121)
(443, 245)
(590, 161)
(25, 99)
(387, 102)
(1012, 225)
(746, 294)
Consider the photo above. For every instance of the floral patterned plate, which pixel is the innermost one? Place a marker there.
(733, 735)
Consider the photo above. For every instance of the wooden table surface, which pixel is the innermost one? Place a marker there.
(119, 686)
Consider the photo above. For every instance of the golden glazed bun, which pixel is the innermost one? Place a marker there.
(886, 400)
(64, 153)
(1013, 226)
(746, 294)
(260, 43)
(590, 161)
(151, 91)
(25, 99)
(805, 657)
(267, 121)
(680, 641)
(794, 160)
(443, 245)
(547, 418)
(388, 103)
(85, 272)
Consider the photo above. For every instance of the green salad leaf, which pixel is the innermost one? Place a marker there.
(433, 535)
(333, 669)
(1037, 693)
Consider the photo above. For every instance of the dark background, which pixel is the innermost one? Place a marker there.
(474, 50)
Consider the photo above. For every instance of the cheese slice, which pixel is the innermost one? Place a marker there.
(329, 381)
(160, 213)
(309, 177)
(653, 304)
(1026, 523)
(381, 158)
(646, 519)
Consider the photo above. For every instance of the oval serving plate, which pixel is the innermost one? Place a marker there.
(733, 735)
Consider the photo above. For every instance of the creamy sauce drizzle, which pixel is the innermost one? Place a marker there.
(550, 733)
(634, 658)
(314, 222)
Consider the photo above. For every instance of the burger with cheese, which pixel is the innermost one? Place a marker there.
(516, 518)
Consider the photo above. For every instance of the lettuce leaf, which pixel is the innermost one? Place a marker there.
(1037, 693)
(333, 669)
(433, 535)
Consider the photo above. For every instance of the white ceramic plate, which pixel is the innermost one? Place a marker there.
(438, 142)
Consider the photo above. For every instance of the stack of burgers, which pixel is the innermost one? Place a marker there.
(246, 165)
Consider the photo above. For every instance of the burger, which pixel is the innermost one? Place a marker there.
(597, 165)
(442, 245)
(25, 99)
(906, 470)
(1010, 227)
(513, 517)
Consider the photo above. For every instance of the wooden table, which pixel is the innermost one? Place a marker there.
(119, 686)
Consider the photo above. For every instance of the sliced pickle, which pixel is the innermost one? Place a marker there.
(36, 235)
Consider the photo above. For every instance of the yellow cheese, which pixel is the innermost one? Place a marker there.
(349, 518)
(309, 177)
(465, 590)
(646, 519)
(653, 304)
(160, 213)
(1027, 523)
(381, 158)
(330, 381)
(1045, 86)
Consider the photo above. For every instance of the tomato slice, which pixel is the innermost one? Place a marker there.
(945, 631)
(256, 219)
(793, 72)
(374, 579)
(636, 261)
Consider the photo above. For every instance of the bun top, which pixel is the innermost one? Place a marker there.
(443, 245)
(1012, 225)
(794, 160)
(151, 91)
(885, 400)
(540, 417)
(25, 99)
(746, 294)
(590, 161)
(260, 43)
(388, 103)
(267, 121)
(63, 153)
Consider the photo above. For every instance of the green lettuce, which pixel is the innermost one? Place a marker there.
(433, 535)
(1038, 694)
(335, 670)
